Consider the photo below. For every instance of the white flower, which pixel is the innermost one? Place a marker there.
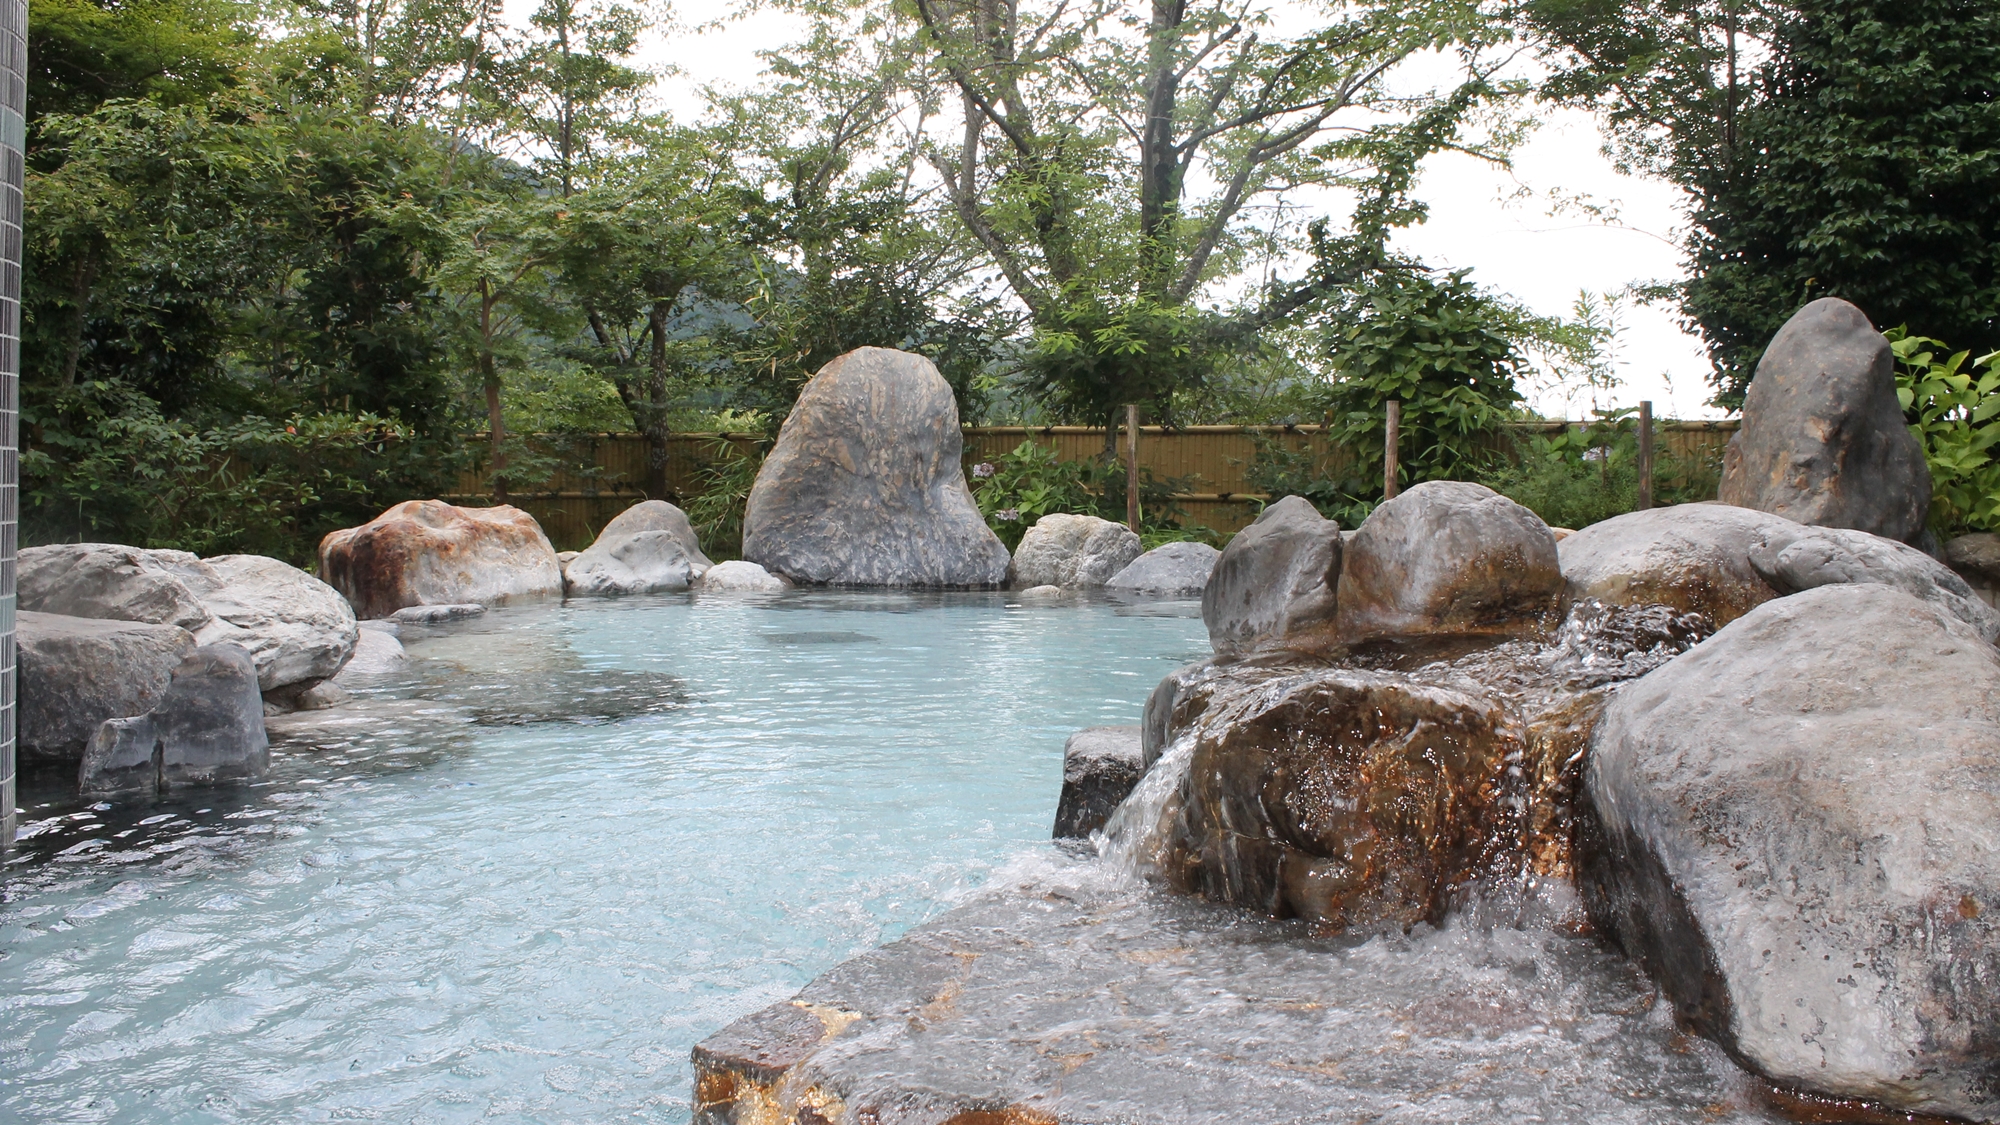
(983, 470)
(1007, 515)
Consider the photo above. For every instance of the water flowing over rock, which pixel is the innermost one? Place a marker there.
(1277, 583)
(1100, 767)
(1793, 832)
(1168, 570)
(1448, 557)
(649, 548)
(739, 577)
(76, 672)
(296, 629)
(1811, 557)
(1072, 552)
(207, 729)
(1693, 557)
(111, 582)
(428, 552)
(865, 485)
(1823, 439)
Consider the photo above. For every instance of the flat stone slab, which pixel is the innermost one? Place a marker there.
(1063, 999)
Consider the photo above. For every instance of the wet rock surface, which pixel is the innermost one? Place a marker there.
(1792, 831)
(1448, 557)
(1692, 557)
(649, 548)
(1277, 583)
(1168, 570)
(865, 487)
(434, 614)
(1823, 439)
(208, 729)
(1811, 557)
(76, 672)
(1061, 999)
(428, 552)
(1072, 552)
(1100, 767)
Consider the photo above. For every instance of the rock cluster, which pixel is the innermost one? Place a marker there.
(650, 548)
(1073, 552)
(865, 487)
(1823, 440)
(428, 552)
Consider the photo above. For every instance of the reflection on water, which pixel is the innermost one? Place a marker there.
(518, 880)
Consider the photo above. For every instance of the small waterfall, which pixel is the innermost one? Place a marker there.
(1133, 838)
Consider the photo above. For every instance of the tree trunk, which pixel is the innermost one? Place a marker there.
(489, 375)
(656, 393)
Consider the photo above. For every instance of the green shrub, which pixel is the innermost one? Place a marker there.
(1018, 488)
(1589, 473)
(1953, 408)
(716, 510)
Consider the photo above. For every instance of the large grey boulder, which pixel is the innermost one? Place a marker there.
(1277, 583)
(1168, 570)
(1795, 835)
(1449, 557)
(76, 672)
(111, 582)
(739, 577)
(296, 629)
(1811, 557)
(1072, 552)
(1692, 557)
(1823, 439)
(865, 488)
(1100, 767)
(428, 552)
(650, 548)
(207, 729)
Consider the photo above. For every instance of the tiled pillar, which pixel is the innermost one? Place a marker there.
(13, 137)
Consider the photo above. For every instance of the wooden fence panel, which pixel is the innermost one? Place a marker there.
(1211, 461)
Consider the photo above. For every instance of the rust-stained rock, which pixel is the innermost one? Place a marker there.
(1692, 557)
(428, 552)
(865, 487)
(1345, 797)
(1449, 557)
(1276, 585)
(1823, 439)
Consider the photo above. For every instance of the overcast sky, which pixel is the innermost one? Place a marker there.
(1511, 245)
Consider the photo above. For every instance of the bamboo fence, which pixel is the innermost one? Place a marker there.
(1211, 461)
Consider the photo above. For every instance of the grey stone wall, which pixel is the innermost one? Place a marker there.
(13, 130)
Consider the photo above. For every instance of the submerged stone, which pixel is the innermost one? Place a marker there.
(865, 487)
(1100, 767)
(1793, 832)
(1823, 440)
(1056, 1000)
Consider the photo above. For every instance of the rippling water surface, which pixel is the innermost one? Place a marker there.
(518, 882)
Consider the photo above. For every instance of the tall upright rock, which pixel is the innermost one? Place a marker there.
(1823, 440)
(865, 488)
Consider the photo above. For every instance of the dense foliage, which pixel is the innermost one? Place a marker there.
(1953, 405)
(1846, 148)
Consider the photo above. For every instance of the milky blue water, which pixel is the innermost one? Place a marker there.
(518, 882)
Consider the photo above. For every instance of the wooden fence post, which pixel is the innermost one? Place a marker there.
(1389, 443)
(1132, 466)
(1645, 455)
